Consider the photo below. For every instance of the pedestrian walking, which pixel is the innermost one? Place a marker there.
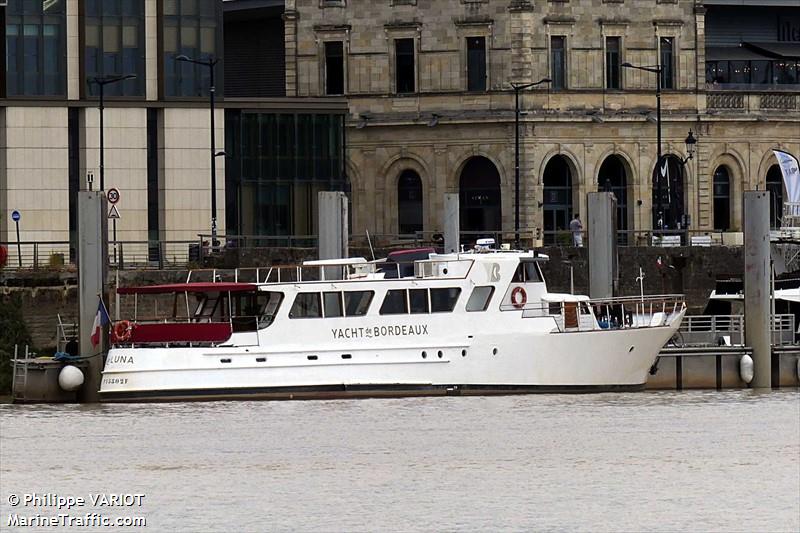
(576, 227)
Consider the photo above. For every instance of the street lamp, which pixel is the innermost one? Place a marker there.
(517, 88)
(690, 142)
(657, 71)
(101, 82)
(210, 63)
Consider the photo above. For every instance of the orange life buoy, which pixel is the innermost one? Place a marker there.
(520, 302)
(122, 330)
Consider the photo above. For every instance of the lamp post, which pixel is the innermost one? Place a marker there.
(517, 88)
(101, 82)
(657, 71)
(210, 63)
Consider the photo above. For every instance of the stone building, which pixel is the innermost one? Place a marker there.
(395, 101)
(432, 110)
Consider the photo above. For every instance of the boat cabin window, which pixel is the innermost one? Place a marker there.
(421, 301)
(418, 301)
(306, 305)
(356, 303)
(394, 303)
(527, 272)
(333, 304)
(444, 300)
(554, 308)
(585, 309)
(480, 298)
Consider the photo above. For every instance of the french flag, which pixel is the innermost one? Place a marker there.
(101, 319)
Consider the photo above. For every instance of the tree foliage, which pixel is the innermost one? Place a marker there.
(12, 331)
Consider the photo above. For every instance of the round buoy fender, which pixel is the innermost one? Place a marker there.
(519, 297)
(122, 331)
(746, 368)
(70, 378)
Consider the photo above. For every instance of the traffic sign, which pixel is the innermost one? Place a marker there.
(113, 196)
(113, 213)
(15, 216)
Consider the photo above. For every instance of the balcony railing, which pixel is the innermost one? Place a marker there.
(752, 101)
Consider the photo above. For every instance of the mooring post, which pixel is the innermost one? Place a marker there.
(602, 233)
(451, 223)
(92, 269)
(756, 285)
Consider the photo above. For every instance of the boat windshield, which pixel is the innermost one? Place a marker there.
(246, 310)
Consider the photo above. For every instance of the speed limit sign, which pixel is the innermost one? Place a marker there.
(113, 196)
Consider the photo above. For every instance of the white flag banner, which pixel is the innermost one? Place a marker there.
(791, 175)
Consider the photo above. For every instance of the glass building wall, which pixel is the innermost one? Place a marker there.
(114, 37)
(36, 48)
(277, 164)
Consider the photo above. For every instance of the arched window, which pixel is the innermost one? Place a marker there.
(409, 202)
(557, 210)
(479, 199)
(668, 180)
(722, 199)
(612, 177)
(775, 187)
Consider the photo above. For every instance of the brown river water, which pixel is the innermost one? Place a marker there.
(665, 461)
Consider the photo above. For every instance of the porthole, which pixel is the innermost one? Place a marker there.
(630, 349)
(424, 355)
(312, 357)
(444, 271)
(439, 354)
(463, 353)
(261, 359)
(494, 351)
(347, 356)
(224, 360)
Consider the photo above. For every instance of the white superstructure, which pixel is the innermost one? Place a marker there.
(470, 323)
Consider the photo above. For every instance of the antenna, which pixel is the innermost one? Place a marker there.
(369, 241)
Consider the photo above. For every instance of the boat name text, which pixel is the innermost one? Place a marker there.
(121, 359)
(380, 331)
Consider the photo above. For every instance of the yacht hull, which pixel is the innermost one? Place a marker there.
(501, 362)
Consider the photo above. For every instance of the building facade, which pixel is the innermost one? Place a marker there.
(397, 102)
(432, 109)
(157, 133)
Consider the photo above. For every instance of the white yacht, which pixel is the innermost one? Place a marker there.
(416, 323)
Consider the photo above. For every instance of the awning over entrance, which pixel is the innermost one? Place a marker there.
(775, 50)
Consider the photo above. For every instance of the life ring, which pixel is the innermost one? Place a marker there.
(520, 302)
(122, 331)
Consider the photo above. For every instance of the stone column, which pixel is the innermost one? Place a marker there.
(290, 17)
(700, 55)
(521, 25)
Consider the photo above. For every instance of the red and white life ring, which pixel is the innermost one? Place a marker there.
(122, 331)
(518, 297)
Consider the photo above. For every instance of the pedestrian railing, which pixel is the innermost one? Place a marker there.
(728, 330)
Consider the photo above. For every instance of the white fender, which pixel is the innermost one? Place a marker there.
(70, 378)
(746, 368)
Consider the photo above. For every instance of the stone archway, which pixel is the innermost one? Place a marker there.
(775, 187)
(722, 198)
(409, 202)
(557, 204)
(669, 210)
(613, 177)
(479, 199)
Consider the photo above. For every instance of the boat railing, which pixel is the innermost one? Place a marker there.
(333, 271)
(606, 313)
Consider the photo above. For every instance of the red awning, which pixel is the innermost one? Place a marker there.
(189, 287)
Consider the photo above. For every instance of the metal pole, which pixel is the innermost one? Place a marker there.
(101, 85)
(516, 167)
(659, 213)
(114, 234)
(19, 245)
(211, 65)
(757, 325)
